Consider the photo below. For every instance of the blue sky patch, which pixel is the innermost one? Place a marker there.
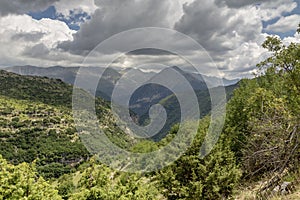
(273, 21)
(73, 20)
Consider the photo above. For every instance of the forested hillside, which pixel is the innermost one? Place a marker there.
(256, 157)
(36, 124)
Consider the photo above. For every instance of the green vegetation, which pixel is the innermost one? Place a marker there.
(36, 89)
(191, 177)
(259, 146)
(266, 131)
(96, 181)
(30, 131)
(172, 106)
(23, 182)
(36, 124)
(263, 119)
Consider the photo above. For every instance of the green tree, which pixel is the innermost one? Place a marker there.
(264, 115)
(22, 182)
(97, 181)
(191, 177)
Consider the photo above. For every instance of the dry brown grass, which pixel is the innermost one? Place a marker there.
(250, 194)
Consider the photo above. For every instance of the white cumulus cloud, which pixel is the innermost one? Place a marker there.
(285, 24)
(20, 34)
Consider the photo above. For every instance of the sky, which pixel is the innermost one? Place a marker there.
(64, 32)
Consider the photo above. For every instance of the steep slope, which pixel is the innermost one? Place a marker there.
(172, 107)
(32, 130)
(36, 123)
(44, 90)
(68, 75)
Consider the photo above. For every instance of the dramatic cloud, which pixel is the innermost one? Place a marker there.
(23, 6)
(232, 31)
(219, 29)
(242, 61)
(285, 24)
(50, 32)
(115, 16)
(268, 9)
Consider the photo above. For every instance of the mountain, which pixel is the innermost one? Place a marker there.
(214, 81)
(48, 91)
(111, 75)
(150, 94)
(133, 85)
(36, 123)
(173, 109)
(68, 75)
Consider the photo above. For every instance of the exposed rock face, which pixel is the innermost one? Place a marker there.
(283, 189)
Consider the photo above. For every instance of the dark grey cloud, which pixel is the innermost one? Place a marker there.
(202, 21)
(37, 51)
(23, 6)
(238, 3)
(29, 37)
(217, 29)
(115, 16)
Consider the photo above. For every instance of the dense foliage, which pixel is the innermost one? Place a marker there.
(263, 118)
(264, 113)
(192, 177)
(30, 131)
(260, 139)
(23, 182)
(96, 181)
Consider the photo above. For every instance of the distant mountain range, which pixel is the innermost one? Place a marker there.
(146, 92)
(68, 74)
(130, 77)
